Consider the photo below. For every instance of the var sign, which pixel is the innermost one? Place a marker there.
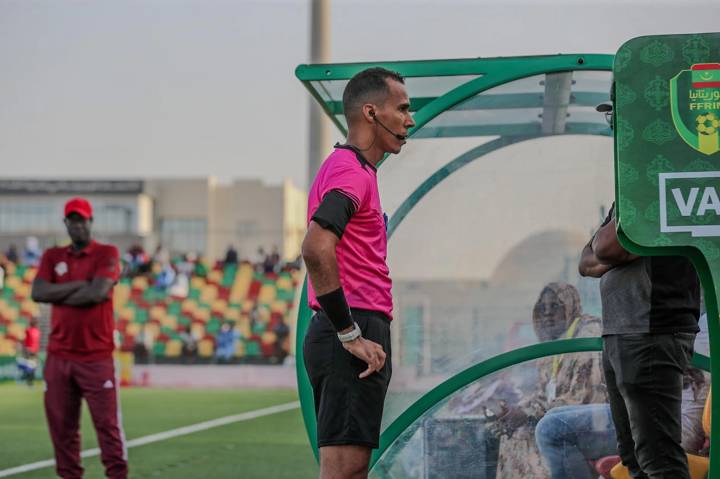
(690, 202)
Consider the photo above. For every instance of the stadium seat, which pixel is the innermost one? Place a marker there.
(173, 348)
(206, 348)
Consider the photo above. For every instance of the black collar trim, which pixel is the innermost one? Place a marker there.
(358, 154)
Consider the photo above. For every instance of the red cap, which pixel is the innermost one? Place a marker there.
(80, 206)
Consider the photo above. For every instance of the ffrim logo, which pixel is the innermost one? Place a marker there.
(690, 203)
(695, 106)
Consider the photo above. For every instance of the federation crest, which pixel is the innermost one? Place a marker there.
(61, 268)
(695, 106)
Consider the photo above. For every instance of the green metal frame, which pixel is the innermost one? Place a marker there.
(491, 73)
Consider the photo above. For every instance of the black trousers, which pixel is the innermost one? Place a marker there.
(644, 376)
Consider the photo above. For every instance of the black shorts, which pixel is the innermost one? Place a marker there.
(349, 410)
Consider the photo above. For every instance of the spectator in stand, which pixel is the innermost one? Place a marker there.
(186, 265)
(161, 255)
(31, 349)
(231, 256)
(166, 277)
(201, 268)
(226, 342)
(259, 260)
(32, 252)
(268, 265)
(275, 258)
(11, 254)
(136, 260)
(189, 345)
(282, 331)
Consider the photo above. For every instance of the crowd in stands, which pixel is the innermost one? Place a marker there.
(180, 308)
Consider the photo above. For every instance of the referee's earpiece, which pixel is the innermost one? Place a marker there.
(396, 135)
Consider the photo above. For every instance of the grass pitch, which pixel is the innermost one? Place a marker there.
(268, 447)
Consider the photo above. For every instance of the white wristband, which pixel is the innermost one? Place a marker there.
(351, 336)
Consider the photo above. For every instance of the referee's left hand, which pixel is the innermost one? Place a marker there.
(370, 352)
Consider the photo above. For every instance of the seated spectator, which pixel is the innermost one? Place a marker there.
(226, 341)
(136, 260)
(201, 267)
(32, 252)
(570, 437)
(231, 256)
(166, 277)
(189, 345)
(180, 287)
(161, 255)
(282, 331)
(11, 254)
(563, 380)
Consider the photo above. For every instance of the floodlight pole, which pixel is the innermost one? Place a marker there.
(318, 124)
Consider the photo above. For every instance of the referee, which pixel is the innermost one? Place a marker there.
(347, 346)
(78, 281)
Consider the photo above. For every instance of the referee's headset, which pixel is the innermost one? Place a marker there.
(396, 135)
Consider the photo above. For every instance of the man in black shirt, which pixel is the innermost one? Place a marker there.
(650, 313)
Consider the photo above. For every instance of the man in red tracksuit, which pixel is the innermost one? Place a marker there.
(78, 281)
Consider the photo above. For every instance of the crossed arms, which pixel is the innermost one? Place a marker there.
(603, 252)
(72, 293)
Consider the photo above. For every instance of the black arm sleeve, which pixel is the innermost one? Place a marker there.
(334, 212)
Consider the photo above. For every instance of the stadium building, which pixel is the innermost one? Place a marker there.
(202, 215)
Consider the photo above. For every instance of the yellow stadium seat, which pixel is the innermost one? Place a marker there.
(206, 348)
(29, 306)
(197, 282)
(264, 314)
(267, 293)
(268, 337)
(133, 329)
(29, 275)
(9, 269)
(244, 327)
(232, 314)
(127, 314)
(11, 314)
(16, 330)
(173, 348)
(140, 283)
(22, 290)
(7, 347)
(239, 349)
(152, 330)
(203, 315)
(157, 313)
(215, 276)
(197, 330)
(169, 321)
(284, 283)
(189, 305)
(13, 282)
(279, 307)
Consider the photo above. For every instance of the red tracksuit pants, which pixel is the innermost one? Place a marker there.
(66, 383)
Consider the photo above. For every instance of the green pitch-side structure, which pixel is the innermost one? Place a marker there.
(667, 164)
(666, 158)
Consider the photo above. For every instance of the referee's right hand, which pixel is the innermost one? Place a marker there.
(370, 352)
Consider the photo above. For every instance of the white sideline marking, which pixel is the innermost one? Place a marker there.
(161, 436)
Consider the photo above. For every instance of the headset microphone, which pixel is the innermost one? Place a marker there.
(396, 135)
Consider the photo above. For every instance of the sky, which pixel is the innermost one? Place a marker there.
(179, 88)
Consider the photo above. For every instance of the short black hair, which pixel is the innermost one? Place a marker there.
(365, 85)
